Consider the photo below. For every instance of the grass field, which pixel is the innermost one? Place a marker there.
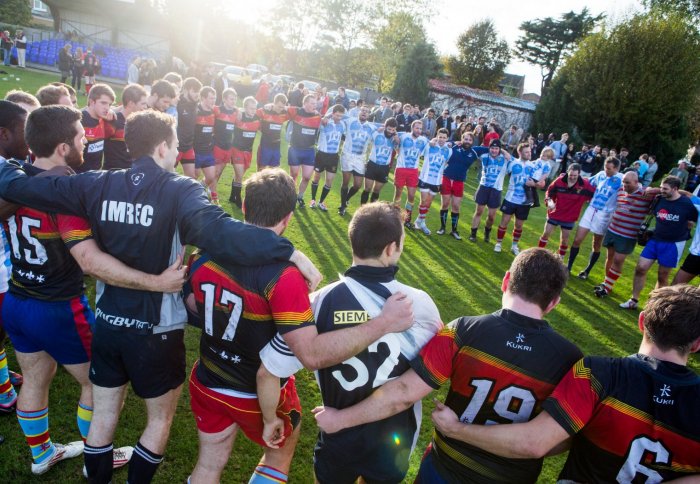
(462, 277)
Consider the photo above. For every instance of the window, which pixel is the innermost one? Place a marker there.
(39, 6)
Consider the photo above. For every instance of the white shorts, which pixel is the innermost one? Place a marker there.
(354, 163)
(595, 220)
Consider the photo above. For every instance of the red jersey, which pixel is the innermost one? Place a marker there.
(246, 129)
(633, 419)
(117, 156)
(95, 135)
(501, 367)
(204, 131)
(42, 266)
(569, 200)
(224, 126)
(242, 308)
(271, 126)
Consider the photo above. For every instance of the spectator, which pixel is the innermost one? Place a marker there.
(6, 43)
(263, 93)
(342, 98)
(147, 74)
(681, 171)
(651, 171)
(133, 73)
(21, 45)
(430, 124)
(445, 121)
(65, 62)
(77, 69)
(296, 95)
(511, 139)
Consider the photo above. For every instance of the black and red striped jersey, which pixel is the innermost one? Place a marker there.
(246, 129)
(42, 266)
(501, 367)
(634, 419)
(94, 149)
(186, 123)
(224, 126)
(241, 309)
(304, 127)
(271, 126)
(204, 131)
(117, 156)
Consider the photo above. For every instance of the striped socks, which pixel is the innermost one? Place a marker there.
(35, 425)
(610, 278)
(265, 475)
(8, 396)
(84, 416)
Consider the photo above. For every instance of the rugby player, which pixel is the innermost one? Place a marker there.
(435, 158)
(330, 136)
(186, 125)
(272, 117)
(95, 116)
(379, 164)
(630, 419)
(116, 156)
(378, 452)
(247, 125)
(301, 154)
(358, 135)
(224, 126)
(203, 142)
(501, 366)
(494, 166)
(411, 147)
(162, 95)
(142, 216)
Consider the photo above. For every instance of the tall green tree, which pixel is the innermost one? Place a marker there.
(546, 42)
(482, 57)
(421, 64)
(392, 44)
(16, 12)
(633, 84)
(687, 7)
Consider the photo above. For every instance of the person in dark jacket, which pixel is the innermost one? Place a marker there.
(65, 62)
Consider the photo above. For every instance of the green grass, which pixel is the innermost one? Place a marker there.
(463, 278)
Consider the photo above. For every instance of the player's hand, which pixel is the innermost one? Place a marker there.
(58, 171)
(444, 418)
(307, 268)
(327, 419)
(172, 278)
(273, 433)
(398, 313)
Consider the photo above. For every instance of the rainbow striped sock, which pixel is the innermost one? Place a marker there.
(266, 475)
(35, 425)
(84, 416)
(8, 396)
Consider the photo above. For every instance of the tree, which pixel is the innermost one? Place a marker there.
(17, 12)
(546, 42)
(482, 57)
(418, 66)
(687, 7)
(392, 44)
(633, 84)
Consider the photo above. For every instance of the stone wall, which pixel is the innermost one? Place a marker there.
(505, 116)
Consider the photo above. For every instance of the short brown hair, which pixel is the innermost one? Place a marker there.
(672, 317)
(672, 181)
(280, 98)
(191, 84)
(49, 94)
(373, 227)
(270, 195)
(163, 88)
(537, 276)
(522, 146)
(147, 129)
(69, 88)
(206, 90)
(99, 90)
(173, 77)
(49, 126)
(133, 94)
(338, 108)
(229, 91)
(16, 96)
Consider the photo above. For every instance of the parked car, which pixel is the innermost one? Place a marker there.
(258, 67)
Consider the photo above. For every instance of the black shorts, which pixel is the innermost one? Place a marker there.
(488, 196)
(521, 211)
(378, 173)
(691, 264)
(153, 363)
(326, 162)
(427, 187)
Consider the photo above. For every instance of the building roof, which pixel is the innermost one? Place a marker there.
(512, 80)
(490, 97)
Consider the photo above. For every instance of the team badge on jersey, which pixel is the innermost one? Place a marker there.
(136, 178)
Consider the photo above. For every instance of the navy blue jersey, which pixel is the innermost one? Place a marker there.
(672, 219)
(143, 216)
(461, 160)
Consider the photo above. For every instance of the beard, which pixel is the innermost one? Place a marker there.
(74, 158)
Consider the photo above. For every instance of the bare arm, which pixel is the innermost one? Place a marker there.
(391, 398)
(323, 350)
(114, 272)
(268, 390)
(529, 440)
(7, 209)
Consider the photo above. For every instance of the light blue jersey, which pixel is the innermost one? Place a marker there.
(520, 172)
(410, 150)
(382, 147)
(493, 171)
(329, 137)
(541, 169)
(434, 162)
(357, 136)
(606, 188)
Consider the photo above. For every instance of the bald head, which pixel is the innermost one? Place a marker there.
(630, 181)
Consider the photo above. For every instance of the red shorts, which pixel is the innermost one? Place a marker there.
(185, 156)
(452, 187)
(214, 411)
(406, 177)
(241, 157)
(223, 156)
